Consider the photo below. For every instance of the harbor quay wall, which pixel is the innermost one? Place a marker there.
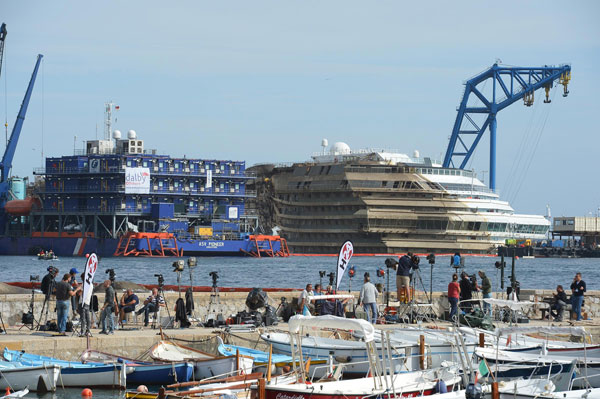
(134, 341)
(12, 306)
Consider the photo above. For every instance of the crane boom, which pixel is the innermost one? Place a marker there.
(9, 153)
(509, 84)
(2, 38)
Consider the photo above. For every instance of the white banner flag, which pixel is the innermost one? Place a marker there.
(88, 283)
(208, 178)
(343, 259)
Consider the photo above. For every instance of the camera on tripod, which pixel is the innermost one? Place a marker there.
(391, 263)
(331, 278)
(415, 260)
(34, 277)
(322, 273)
(215, 277)
(161, 280)
(111, 274)
(178, 265)
(431, 258)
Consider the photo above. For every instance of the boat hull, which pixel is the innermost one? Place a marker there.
(109, 376)
(160, 374)
(36, 378)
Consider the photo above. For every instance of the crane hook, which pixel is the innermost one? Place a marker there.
(564, 80)
(528, 99)
(547, 100)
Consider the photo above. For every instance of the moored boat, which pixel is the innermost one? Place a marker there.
(205, 364)
(18, 376)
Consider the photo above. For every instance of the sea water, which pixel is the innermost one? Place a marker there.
(297, 271)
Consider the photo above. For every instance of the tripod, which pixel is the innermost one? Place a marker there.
(29, 318)
(412, 308)
(46, 304)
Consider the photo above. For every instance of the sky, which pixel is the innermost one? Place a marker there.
(266, 81)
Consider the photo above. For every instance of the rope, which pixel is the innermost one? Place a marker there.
(535, 147)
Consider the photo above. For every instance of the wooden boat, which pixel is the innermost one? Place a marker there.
(154, 373)
(74, 374)
(205, 364)
(21, 377)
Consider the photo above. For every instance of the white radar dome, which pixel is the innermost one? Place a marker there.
(416, 154)
(324, 143)
(131, 134)
(117, 135)
(339, 148)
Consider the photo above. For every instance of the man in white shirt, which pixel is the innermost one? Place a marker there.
(368, 298)
(303, 300)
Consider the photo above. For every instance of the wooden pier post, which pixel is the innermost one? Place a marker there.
(422, 352)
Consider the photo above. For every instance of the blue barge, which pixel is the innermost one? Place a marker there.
(117, 198)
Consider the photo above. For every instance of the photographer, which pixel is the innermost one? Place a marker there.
(73, 281)
(151, 304)
(466, 292)
(403, 273)
(48, 281)
(108, 309)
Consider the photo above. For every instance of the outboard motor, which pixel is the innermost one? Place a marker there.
(473, 391)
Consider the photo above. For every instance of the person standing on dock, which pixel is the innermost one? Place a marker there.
(303, 300)
(108, 309)
(73, 281)
(466, 292)
(453, 295)
(64, 292)
(486, 291)
(403, 271)
(368, 298)
(578, 287)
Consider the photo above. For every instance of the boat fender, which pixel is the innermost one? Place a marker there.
(343, 359)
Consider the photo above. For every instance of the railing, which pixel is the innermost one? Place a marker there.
(121, 190)
(121, 169)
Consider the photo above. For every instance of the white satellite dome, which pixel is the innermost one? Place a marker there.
(117, 135)
(324, 143)
(339, 148)
(131, 134)
(416, 154)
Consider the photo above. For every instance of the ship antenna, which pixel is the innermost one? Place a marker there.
(108, 120)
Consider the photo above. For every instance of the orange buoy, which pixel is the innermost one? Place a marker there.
(86, 393)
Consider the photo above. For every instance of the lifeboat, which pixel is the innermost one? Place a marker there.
(22, 207)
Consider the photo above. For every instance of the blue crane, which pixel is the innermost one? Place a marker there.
(11, 147)
(509, 84)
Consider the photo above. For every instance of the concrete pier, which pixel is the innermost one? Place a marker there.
(134, 340)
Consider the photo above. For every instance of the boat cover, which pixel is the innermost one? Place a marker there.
(298, 321)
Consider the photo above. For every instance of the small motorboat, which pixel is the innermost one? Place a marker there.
(16, 394)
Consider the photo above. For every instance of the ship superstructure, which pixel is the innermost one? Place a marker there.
(115, 197)
(389, 202)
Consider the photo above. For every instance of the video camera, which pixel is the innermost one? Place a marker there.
(34, 277)
(322, 273)
(415, 260)
(111, 275)
(161, 280)
(215, 277)
(331, 278)
(391, 263)
(431, 258)
(178, 265)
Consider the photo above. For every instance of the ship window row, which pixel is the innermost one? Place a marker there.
(444, 172)
(406, 185)
(466, 187)
(443, 224)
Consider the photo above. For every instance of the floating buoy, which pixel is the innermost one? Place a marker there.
(86, 393)
(142, 389)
